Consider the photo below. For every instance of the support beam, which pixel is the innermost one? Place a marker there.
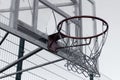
(58, 10)
(53, 7)
(20, 54)
(79, 29)
(35, 15)
(27, 29)
(4, 38)
(39, 7)
(14, 13)
(25, 36)
(20, 59)
(91, 77)
(34, 67)
(74, 1)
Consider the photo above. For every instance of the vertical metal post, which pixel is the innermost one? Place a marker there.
(91, 77)
(94, 30)
(68, 32)
(14, 13)
(78, 8)
(20, 54)
(78, 28)
(35, 14)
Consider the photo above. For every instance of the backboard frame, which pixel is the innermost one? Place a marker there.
(34, 36)
(21, 28)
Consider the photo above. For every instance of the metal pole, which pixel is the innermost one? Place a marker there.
(91, 77)
(20, 59)
(34, 67)
(4, 38)
(95, 32)
(78, 12)
(39, 7)
(35, 14)
(20, 54)
(14, 14)
(56, 9)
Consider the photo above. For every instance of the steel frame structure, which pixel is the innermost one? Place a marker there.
(31, 34)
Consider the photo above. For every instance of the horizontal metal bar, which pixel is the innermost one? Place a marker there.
(27, 29)
(34, 67)
(35, 14)
(4, 38)
(20, 59)
(23, 35)
(20, 54)
(53, 7)
(74, 1)
(39, 7)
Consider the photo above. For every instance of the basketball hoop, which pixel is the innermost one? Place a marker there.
(75, 39)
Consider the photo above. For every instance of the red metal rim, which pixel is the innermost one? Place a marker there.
(80, 17)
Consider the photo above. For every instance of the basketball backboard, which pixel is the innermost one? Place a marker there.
(35, 20)
(50, 13)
